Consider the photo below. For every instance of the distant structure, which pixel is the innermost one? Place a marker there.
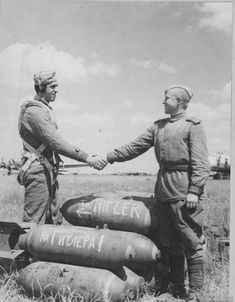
(220, 166)
(2, 167)
(8, 167)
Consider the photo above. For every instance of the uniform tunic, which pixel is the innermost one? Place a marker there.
(180, 148)
(36, 126)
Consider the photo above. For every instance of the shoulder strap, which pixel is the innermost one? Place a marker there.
(22, 112)
(163, 120)
(194, 120)
(23, 109)
(161, 123)
(42, 147)
(31, 149)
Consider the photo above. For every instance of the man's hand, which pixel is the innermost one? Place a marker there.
(192, 200)
(96, 162)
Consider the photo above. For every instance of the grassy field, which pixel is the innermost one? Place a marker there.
(216, 208)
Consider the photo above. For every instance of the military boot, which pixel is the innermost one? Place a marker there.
(167, 297)
(193, 296)
(178, 291)
(177, 276)
(196, 279)
(195, 273)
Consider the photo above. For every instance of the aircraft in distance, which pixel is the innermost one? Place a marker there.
(13, 166)
(220, 166)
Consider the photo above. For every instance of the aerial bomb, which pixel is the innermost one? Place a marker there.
(100, 248)
(119, 214)
(56, 279)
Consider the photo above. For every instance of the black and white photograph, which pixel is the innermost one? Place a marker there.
(115, 155)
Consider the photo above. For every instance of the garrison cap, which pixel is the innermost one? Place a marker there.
(44, 78)
(185, 88)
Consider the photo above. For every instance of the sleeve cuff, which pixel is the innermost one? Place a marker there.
(195, 189)
(82, 156)
(110, 158)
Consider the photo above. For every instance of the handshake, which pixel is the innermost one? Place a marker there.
(96, 161)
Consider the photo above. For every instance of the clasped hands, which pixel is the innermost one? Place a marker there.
(96, 161)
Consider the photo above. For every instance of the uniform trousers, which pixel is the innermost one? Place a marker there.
(40, 204)
(180, 238)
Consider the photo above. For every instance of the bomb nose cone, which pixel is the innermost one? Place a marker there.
(68, 206)
(120, 214)
(23, 242)
(156, 254)
(142, 252)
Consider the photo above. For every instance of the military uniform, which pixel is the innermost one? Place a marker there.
(39, 166)
(180, 148)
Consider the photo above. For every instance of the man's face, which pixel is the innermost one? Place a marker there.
(171, 102)
(50, 93)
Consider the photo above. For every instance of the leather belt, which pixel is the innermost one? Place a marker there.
(174, 167)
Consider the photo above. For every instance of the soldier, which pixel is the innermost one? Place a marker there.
(42, 145)
(180, 147)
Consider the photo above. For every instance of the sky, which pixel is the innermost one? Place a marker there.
(113, 62)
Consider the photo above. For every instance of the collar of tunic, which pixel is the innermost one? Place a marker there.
(48, 107)
(178, 116)
(40, 99)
